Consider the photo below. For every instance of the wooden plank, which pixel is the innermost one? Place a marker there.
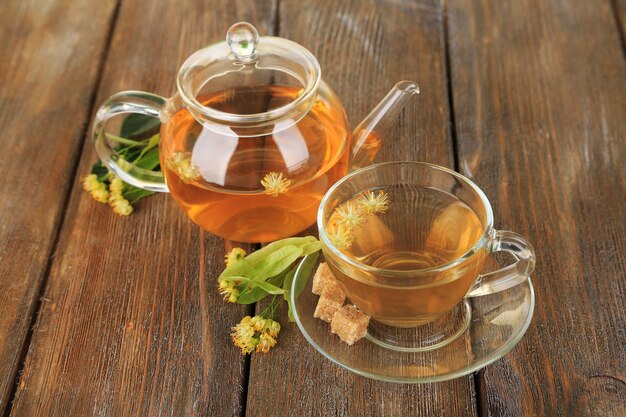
(364, 47)
(539, 98)
(132, 323)
(49, 67)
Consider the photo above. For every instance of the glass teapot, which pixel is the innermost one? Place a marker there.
(252, 139)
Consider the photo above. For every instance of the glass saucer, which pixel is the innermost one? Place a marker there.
(489, 327)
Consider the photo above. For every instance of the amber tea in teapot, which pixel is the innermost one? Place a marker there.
(253, 137)
(229, 199)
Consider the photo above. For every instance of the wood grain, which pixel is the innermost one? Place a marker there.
(49, 66)
(364, 48)
(132, 323)
(540, 100)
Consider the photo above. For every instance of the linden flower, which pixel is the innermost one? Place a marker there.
(339, 236)
(373, 203)
(120, 205)
(255, 333)
(275, 184)
(234, 255)
(124, 164)
(180, 163)
(90, 182)
(97, 189)
(243, 336)
(350, 215)
(266, 342)
(101, 195)
(116, 186)
(272, 328)
(117, 201)
(258, 323)
(229, 291)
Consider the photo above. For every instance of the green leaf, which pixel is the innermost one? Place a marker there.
(265, 271)
(137, 124)
(252, 295)
(306, 269)
(99, 169)
(149, 160)
(259, 259)
(153, 142)
(134, 194)
(262, 268)
(312, 247)
(269, 288)
(128, 142)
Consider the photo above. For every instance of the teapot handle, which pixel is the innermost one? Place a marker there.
(128, 102)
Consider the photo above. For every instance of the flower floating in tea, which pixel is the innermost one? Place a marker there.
(339, 236)
(373, 203)
(180, 163)
(350, 215)
(275, 184)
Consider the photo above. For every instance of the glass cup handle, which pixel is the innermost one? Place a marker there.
(128, 102)
(511, 275)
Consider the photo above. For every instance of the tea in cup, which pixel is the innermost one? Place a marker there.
(408, 241)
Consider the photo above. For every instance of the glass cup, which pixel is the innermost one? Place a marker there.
(408, 241)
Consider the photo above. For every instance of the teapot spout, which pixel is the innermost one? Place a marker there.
(369, 134)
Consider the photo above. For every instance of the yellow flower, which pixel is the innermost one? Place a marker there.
(373, 203)
(275, 184)
(97, 189)
(101, 195)
(258, 323)
(339, 236)
(234, 255)
(120, 205)
(229, 291)
(255, 333)
(350, 215)
(180, 163)
(90, 182)
(124, 164)
(243, 336)
(117, 185)
(272, 328)
(265, 343)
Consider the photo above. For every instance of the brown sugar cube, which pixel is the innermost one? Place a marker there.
(323, 276)
(333, 291)
(350, 324)
(330, 301)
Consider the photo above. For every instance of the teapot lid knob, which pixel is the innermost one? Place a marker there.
(243, 39)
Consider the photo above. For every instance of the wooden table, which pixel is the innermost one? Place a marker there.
(102, 315)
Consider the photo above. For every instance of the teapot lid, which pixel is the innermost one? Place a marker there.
(244, 60)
